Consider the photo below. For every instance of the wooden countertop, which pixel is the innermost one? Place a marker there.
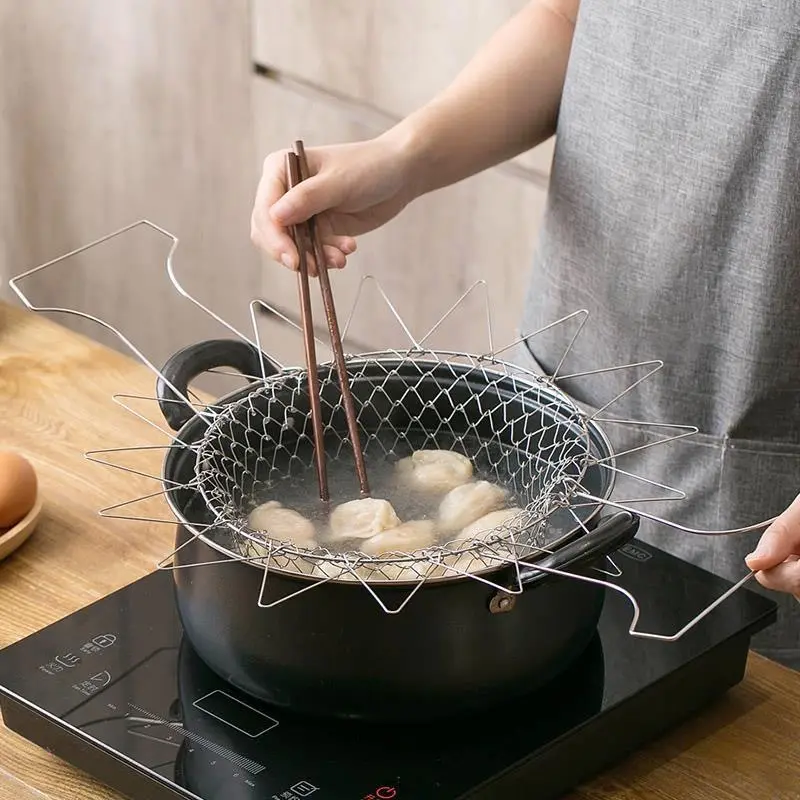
(55, 404)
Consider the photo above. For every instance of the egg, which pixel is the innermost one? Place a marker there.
(18, 487)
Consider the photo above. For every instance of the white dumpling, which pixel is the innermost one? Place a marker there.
(434, 470)
(360, 519)
(469, 502)
(406, 538)
(392, 571)
(459, 564)
(282, 524)
(323, 568)
(291, 563)
(441, 569)
(495, 522)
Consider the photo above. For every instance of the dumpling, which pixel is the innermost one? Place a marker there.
(322, 568)
(360, 519)
(282, 524)
(434, 470)
(406, 538)
(487, 526)
(392, 571)
(293, 564)
(469, 502)
(460, 564)
(501, 552)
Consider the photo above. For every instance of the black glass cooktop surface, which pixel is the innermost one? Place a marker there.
(116, 690)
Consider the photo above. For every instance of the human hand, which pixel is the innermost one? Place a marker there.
(352, 189)
(776, 559)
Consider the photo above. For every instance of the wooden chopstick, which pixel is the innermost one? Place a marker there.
(333, 328)
(293, 178)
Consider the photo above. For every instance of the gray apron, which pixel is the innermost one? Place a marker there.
(674, 218)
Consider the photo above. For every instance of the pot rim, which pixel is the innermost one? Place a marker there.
(183, 441)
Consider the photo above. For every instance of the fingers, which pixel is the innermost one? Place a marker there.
(347, 244)
(335, 248)
(313, 196)
(276, 209)
(265, 234)
(783, 578)
(335, 257)
(780, 540)
(775, 560)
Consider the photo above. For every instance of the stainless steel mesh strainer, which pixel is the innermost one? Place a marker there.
(520, 434)
(518, 428)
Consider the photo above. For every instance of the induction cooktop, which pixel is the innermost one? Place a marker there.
(116, 690)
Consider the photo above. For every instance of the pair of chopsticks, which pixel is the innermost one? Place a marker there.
(306, 236)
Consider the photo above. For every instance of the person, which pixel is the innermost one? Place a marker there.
(673, 216)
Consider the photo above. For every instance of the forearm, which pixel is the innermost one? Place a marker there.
(504, 102)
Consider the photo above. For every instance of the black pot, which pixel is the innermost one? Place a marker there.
(457, 647)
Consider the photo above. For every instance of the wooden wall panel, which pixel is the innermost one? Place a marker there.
(115, 111)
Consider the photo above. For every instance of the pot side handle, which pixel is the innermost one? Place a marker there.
(611, 533)
(187, 364)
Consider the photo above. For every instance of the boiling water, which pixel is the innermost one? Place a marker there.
(295, 485)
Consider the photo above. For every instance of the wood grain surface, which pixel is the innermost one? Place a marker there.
(56, 403)
(114, 112)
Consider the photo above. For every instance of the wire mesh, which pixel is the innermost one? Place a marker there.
(519, 433)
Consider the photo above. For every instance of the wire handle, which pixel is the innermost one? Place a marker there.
(675, 525)
(15, 282)
(208, 413)
(632, 630)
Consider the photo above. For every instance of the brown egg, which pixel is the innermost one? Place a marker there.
(17, 488)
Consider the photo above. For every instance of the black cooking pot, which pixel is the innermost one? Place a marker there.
(458, 647)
